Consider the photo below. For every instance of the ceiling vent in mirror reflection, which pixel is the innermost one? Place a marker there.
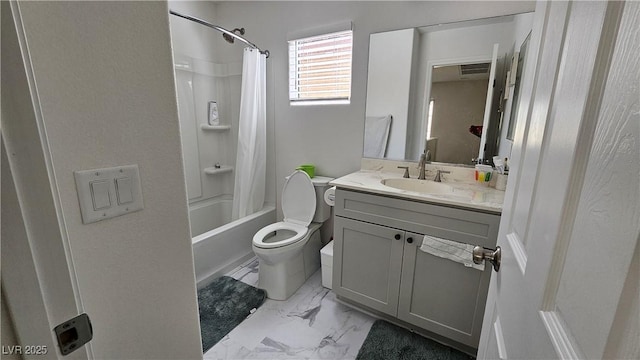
(471, 69)
(406, 72)
(460, 72)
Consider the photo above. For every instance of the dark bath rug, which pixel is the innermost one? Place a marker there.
(386, 341)
(224, 304)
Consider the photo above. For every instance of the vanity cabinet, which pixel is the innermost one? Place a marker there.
(378, 262)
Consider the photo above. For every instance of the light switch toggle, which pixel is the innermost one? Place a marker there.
(100, 194)
(123, 189)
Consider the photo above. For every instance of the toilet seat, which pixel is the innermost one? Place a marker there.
(298, 207)
(259, 238)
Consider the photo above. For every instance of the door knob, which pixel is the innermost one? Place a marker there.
(409, 240)
(397, 236)
(494, 256)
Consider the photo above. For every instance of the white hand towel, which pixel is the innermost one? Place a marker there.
(447, 249)
(376, 134)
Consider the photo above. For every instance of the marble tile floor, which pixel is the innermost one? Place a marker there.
(311, 324)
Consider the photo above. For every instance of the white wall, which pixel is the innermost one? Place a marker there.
(8, 335)
(332, 136)
(457, 106)
(389, 84)
(206, 148)
(190, 38)
(7, 332)
(107, 95)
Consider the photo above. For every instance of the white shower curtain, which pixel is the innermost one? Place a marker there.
(251, 158)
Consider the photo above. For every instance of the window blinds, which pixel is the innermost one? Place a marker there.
(320, 67)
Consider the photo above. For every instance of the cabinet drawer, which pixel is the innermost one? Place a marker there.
(461, 225)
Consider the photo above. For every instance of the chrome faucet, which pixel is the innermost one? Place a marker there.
(438, 172)
(424, 157)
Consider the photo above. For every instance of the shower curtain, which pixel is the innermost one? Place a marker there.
(251, 158)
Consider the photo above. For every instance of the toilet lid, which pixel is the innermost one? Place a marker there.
(299, 199)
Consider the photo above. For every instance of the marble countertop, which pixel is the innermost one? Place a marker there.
(464, 194)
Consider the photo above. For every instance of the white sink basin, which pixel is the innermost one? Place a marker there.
(421, 186)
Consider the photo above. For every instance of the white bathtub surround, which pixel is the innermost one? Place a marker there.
(251, 157)
(209, 214)
(311, 324)
(465, 192)
(199, 81)
(217, 251)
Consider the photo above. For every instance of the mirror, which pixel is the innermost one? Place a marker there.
(446, 90)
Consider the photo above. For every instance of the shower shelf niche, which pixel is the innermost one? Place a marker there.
(221, 170)
(207, 127)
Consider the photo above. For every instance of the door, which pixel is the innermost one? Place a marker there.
(570, 222)
(367, 263)
(441, 295)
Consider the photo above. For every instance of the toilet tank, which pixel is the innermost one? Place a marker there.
(323, 210)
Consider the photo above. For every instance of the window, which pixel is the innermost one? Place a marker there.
(320, 69)
(429, 119)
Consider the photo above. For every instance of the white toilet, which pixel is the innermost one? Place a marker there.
(289, 251)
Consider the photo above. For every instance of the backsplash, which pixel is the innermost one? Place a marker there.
(458, 173)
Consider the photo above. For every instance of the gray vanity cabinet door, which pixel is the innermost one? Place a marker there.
(367, 264)
(441, 295)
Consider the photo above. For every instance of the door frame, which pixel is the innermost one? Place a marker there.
(40, 282)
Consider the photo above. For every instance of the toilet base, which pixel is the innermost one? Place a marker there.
(281, 279)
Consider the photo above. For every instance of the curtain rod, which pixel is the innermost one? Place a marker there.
(221, 29)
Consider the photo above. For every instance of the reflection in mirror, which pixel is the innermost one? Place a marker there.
(442, 88)
(517, 61)
(456, 111)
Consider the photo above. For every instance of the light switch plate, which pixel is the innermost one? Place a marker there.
(121, 185)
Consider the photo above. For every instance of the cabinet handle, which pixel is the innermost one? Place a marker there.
(409, 240)
(398, 236)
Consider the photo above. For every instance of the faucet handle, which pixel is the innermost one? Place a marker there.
(438, 173)
(406, 171)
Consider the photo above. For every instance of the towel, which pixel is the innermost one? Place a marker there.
(447, 249)
(376, 134)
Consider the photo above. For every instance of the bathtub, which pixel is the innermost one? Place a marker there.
(228, 243)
